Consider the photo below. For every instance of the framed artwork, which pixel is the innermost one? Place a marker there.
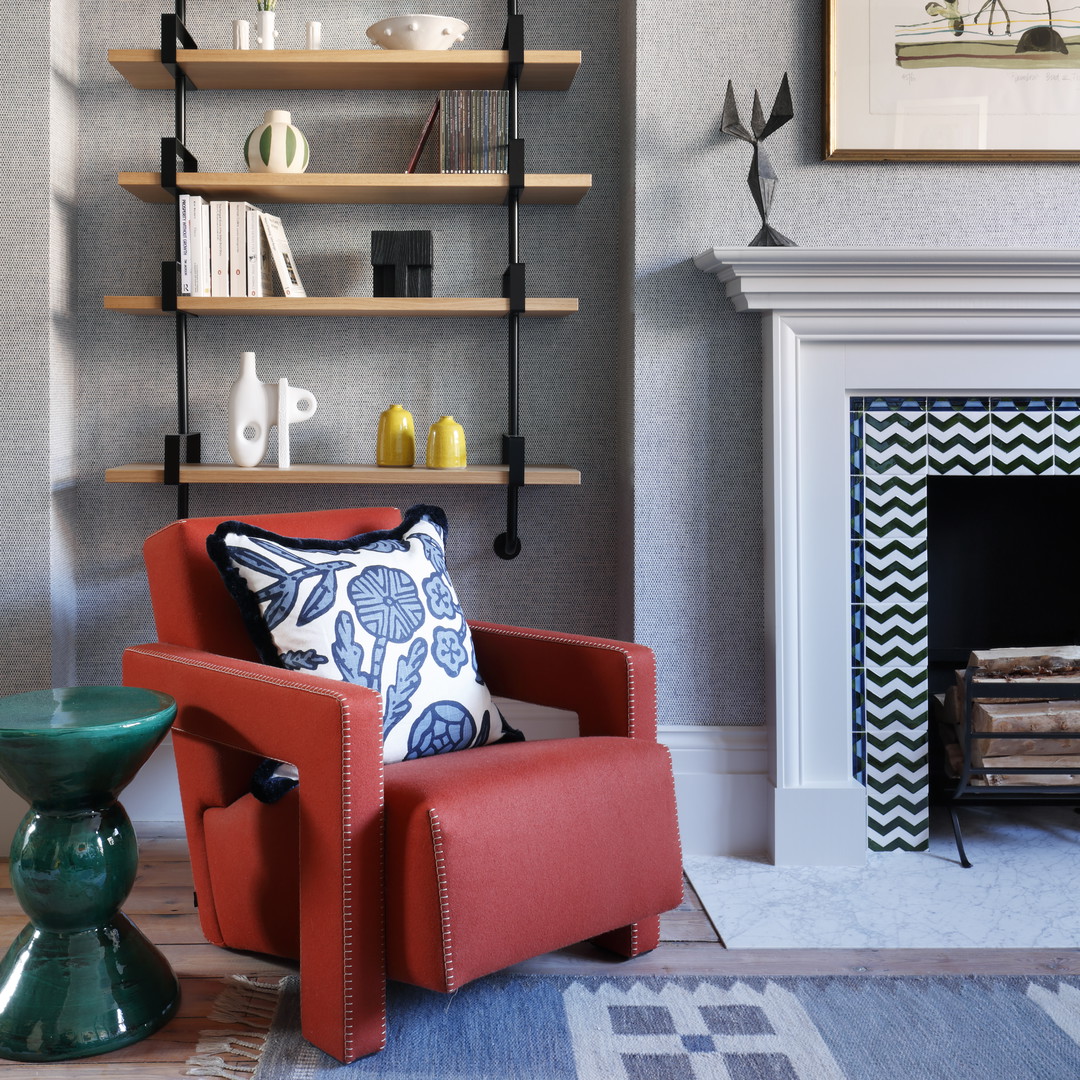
(950, 80)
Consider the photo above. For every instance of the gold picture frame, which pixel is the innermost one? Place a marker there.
(948, 81)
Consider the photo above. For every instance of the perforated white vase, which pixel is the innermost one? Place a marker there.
(255, 407)
(264, 29)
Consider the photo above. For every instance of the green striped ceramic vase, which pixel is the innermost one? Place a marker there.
(276, 146)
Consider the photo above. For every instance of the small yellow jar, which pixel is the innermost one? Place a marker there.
(446, 444)
(396, 443)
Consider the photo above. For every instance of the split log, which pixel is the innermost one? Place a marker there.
(1030, 661)
(1034, 717)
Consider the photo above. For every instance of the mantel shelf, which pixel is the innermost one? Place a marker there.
(340, 474)
(363, 188)
(346, 69)
(342, 305)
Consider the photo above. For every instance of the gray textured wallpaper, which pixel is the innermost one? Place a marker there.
(653, 390)
(25, 304)
(698, 532)
(355, 367)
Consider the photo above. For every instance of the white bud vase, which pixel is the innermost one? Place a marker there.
(276, 145)
(251, 413)
(264, 29)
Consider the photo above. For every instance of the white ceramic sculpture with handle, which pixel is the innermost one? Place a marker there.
(255, 407)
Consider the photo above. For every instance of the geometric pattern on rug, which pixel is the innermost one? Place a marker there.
(707, 1033)
(530, 1027)
(896, 443)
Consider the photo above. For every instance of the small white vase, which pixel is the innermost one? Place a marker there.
(251, 415)
(276, 145)
(264, 29)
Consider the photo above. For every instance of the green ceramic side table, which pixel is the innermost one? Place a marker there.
(81, 978)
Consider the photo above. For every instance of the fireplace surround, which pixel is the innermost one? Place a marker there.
(883, 368)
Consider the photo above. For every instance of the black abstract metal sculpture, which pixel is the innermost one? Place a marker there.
(762, 178)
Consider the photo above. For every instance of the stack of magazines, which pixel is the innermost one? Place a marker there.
(473, 131)
(233, 249)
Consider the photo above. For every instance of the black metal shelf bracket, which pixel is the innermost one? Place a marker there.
(508, 544)
(183, 448)
(173, 33)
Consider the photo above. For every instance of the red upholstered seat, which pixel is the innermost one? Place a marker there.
(435, 871)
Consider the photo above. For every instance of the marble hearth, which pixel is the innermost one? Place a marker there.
(883, 368)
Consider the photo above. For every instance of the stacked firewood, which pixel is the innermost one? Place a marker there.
(1054, 673)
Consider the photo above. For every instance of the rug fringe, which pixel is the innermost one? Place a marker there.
(222, 1053)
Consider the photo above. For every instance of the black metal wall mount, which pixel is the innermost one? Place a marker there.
(185, 447)
(508, 543)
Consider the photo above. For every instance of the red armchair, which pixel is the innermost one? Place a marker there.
(434, 871)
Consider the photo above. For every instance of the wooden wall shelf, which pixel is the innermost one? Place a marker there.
(392, 306)
(363, 188)
(339, 474)
(346, 69)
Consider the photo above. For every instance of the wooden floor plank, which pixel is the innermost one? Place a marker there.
(161, 905)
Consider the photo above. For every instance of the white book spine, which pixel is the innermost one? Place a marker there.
(238, 248)
(204, 251)
(219, 247)
(260, 274)
(195, 231)
(282, 256)
(185, 244)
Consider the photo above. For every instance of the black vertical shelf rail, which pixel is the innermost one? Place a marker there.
(183, 447)
(508, 544)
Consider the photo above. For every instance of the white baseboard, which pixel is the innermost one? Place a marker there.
(720, 781)
(722, 788)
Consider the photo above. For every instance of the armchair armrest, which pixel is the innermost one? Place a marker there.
(228, 709)
(610, 684)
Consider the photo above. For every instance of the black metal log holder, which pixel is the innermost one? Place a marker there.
(185, 446)
(508, 544)
(1017, 686)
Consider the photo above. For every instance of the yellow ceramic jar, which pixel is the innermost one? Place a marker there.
(446, 444)
(396, 444)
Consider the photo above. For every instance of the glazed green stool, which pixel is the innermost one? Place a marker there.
(81, 978)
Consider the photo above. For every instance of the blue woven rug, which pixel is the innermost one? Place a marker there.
(686, 1028)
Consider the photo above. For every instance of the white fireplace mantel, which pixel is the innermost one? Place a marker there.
(850, 323)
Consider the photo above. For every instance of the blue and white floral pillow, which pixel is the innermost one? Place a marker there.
(378, 610)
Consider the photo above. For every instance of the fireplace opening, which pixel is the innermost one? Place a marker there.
(1001, 557)
(1001, 562)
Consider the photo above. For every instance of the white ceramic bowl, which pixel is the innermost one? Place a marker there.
(417, 32)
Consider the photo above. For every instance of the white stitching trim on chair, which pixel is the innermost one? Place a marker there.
(444, 900)
(347, 848)
(555, 639)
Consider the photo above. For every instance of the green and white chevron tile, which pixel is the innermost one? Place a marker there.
(894, 698)
(1067, 437)
(1022, 439)
(894, 571)
(894, 505)
(897, 777)
(895, 636)
(958, 440)
(894, 441)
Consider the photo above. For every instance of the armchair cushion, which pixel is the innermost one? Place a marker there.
(376, 609)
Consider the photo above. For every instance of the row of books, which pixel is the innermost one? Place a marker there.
(233, 249)
(473, 131)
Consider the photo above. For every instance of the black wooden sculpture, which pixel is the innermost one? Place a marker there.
(401, 262)
(762, 178)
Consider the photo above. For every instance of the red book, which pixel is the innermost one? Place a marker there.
(432, 116)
